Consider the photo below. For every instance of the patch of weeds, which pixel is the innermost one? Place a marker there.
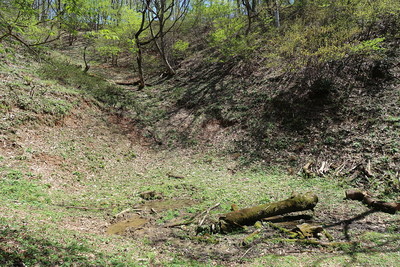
(14, 186)
(146, 241)
(21, 247)
(265, 200)
(79, 176)
(192, 210)
(349, 247)
(384, 159)
(14, 174)
(96, 160)
(130, 155)
(395, 147)
(393, 119)
(357, 145)
(381, 239)
(21, 157)
(56, 107)
(72, 75)
(329, 140)
(169, 215)
(391, 186)
(178, 92)
(4, 108)
(208, 239)
(394, 228)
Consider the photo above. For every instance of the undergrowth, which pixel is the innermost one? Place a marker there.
(71, 75)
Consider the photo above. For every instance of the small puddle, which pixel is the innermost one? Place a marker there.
(133, 222)
(136, 221)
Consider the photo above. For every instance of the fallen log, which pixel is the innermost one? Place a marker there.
(130, 83)
(127, 83)
(388, 207)
(237, 219)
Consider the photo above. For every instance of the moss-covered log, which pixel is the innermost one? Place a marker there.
(248, 216)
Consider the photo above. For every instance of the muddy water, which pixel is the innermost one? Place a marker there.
(136, 221)
(133, 222)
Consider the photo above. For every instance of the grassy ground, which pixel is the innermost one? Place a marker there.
(69, 167)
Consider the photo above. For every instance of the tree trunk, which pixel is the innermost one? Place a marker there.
(139, 62)
(277, 16)
(163, 55)
(297, 202)
(43, 14)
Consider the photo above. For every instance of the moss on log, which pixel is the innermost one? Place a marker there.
(236, 219)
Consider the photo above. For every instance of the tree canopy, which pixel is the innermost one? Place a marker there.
(291, 34)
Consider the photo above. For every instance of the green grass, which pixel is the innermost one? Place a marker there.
(51, 247)
(26, 98)
(354, 259)
(71, 75)
(16, 186)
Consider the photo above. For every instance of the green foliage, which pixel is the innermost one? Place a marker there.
(180, 47)
(312, 32)
(117, 36)
(227, 36)
(301, 43)
(20, 22)
(108, 42)
(214, 10)
(330, 31)
(369, 46)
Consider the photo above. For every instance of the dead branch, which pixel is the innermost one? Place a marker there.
(175, 176)
(128, 83)
(207, 212)
(80, 208)
(191, 220)
(364, 197)
(122, 213)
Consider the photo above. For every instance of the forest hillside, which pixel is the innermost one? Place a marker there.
(130, 128)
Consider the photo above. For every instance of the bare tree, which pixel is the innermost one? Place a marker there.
(250, 6)
(160, 17)
(163, 13)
